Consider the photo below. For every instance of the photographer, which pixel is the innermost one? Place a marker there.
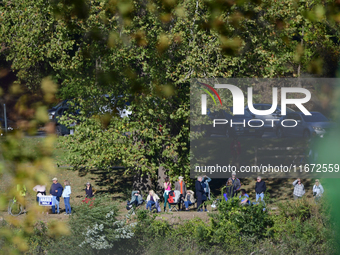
(317, 190)
(299, 189)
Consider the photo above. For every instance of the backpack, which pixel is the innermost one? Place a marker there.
(171, 198)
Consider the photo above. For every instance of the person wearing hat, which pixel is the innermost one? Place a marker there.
(236, 182)
(56, 191)
(317, 190)
(180, 186)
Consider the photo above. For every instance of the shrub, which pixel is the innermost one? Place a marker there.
(40, 241)
(299, 209)
(94, 230)
(249, 220)
(148, 228)
(237, 229)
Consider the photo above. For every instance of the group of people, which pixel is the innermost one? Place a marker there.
(187, 197)
(299, 189)
(234, 186)
(57, 191)
(233, 189)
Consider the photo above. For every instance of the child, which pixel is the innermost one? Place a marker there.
(66, 195)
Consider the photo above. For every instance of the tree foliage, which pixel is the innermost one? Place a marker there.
(149, 51)
(23, 165)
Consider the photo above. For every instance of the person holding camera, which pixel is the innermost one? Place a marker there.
(136, 198)
(317, 190)
(205, 184)
(299, 189)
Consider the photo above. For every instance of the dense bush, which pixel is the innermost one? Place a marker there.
(298, 227)
(303, 225)
(40, 241)
(148, 228)
(94, 230)
(250, 221)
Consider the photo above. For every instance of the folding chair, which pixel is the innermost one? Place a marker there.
(132, 207)
(173, 206)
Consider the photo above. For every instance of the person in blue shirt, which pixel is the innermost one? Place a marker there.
(56, 191)
(244, 197)
(205, 184)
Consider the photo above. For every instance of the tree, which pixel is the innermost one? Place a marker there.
(149, 51)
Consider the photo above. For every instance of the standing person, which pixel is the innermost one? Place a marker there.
(206, 187)
(260, 188)
(89, 193)
(299, 189)
(236, 182)
(204, 196)
(88, 190)
(180, 186)
(66, 195)
(317, 190)
(41, 191)
(151, 200)
(55, 190)
(167, 189)
(230, 190)
(199, 193)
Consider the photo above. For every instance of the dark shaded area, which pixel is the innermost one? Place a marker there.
(117, 182)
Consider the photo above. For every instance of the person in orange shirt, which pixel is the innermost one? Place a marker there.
(180, 186)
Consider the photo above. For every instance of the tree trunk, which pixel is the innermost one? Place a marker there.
(299, 67)
(145, 183)
(142, 183)
(162, 173)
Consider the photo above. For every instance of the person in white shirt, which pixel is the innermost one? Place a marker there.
(66, 195)
(317, 190)
(152, 199)
(41, 191)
